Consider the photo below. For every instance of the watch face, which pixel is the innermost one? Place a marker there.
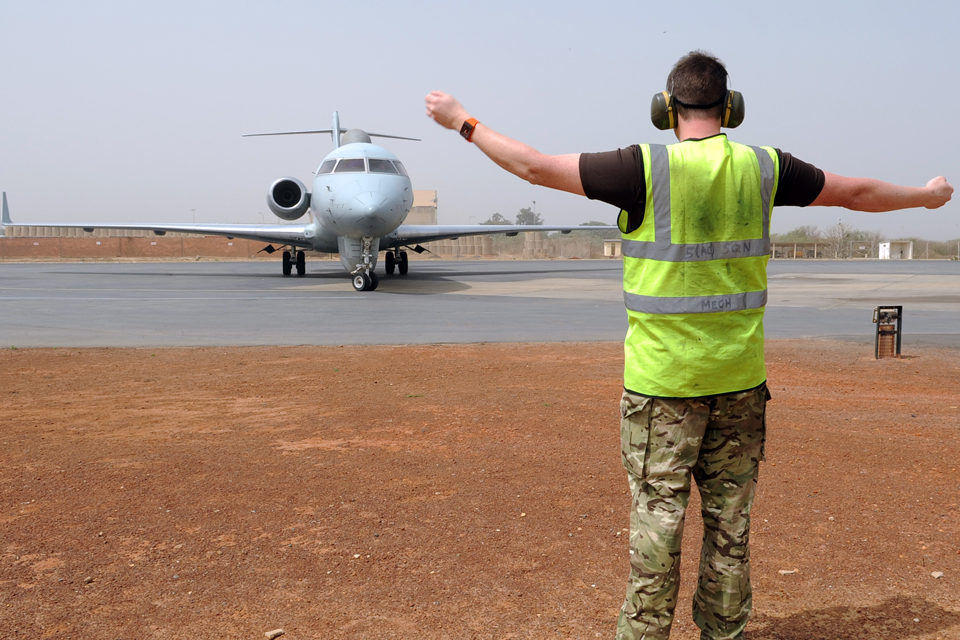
(466, 129)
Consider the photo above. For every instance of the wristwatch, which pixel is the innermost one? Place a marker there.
(467, 129)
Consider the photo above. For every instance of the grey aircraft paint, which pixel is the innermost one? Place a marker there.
(360, 199)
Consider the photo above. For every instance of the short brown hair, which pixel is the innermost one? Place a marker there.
(698, 78)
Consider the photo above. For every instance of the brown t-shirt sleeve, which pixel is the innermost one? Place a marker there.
(616, 177)
(800, 182)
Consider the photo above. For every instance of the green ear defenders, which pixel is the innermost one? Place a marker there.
(663, 111)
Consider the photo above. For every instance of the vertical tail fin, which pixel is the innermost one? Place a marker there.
(5, 218)
(335, 131)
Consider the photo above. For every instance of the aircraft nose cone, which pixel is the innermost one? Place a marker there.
(370, 201)
(370, 210)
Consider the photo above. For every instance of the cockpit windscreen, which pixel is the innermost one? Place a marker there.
(350, 165)
(381, 166)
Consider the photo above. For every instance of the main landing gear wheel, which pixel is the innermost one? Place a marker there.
(403, 264)
(365, 281)
(390, 263)
(301, 264)
(287, 263)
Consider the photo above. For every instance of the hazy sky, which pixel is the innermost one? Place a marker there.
(120, 111)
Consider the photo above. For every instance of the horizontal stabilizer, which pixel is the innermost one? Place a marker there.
(297, 133)
(334, 132)
(286, 133)
(383, 135)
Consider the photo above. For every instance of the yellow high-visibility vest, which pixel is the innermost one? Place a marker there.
(695, 271)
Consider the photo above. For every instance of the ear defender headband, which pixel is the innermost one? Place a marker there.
(663, 110)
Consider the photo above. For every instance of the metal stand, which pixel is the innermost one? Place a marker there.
(889, 330)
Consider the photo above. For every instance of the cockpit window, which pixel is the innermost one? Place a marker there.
(327, 166)
(350, 165)
(400, 168)
(381, 166)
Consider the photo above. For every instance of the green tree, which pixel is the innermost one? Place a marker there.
(800, 234)
(497, 219)
(528, 216)
(605, 234)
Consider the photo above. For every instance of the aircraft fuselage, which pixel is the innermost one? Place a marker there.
(361, 190)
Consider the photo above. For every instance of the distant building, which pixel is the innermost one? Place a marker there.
(898, 250)
(424, 210)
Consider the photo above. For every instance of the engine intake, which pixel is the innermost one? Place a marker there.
(288, 198)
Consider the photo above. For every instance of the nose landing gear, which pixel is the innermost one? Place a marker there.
(365, 281)
(364, 277)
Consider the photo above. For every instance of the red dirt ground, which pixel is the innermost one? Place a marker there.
(447, 492)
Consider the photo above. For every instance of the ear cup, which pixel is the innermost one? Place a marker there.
(663, 113)
(733, 110)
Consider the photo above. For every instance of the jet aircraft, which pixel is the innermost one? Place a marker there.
(360, 199)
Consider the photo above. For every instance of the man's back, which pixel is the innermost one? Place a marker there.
(694, 271)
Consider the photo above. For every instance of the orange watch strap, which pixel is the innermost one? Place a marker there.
(469, 126)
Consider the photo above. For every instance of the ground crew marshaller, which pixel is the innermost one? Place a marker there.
(695, 222)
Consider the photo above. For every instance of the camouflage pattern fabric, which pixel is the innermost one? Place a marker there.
(718, 440)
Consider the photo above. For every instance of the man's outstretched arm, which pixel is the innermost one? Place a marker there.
(866, 194)
(556, 172)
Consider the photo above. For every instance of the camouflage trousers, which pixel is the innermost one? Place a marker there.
(718, 440)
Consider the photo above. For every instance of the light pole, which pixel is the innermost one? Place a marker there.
(840, 237)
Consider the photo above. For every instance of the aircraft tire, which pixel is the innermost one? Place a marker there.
(374, 281)
(390, 263)
(361, 282)
(403, 264)
(301, 264)
(287, 264)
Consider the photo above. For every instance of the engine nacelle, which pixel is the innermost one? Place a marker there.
(288, 198)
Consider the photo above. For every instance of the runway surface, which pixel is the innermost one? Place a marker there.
(249, 303)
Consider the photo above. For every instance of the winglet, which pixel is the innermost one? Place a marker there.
(5, 218)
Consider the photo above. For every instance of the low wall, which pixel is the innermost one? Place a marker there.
(124, 247)
(532, 245)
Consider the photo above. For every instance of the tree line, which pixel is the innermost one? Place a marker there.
(528, 216)
(844, 241)
(839, 241)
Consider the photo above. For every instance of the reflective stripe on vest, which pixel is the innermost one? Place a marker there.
(664, 250)
(695, 304)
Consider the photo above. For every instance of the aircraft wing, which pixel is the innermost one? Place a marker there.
(415, 233)
(291, 234)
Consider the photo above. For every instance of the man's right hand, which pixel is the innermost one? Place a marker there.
(940, 192)
(445, 109)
